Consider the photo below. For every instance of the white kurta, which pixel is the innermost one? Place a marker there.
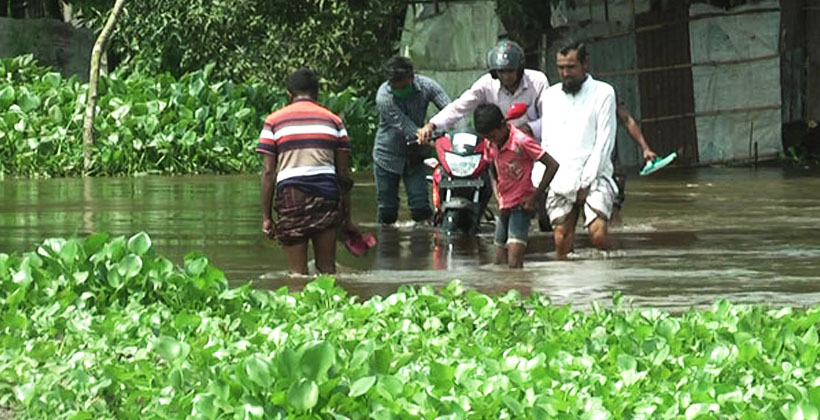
(578, 131)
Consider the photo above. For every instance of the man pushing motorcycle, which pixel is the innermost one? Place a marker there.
(506, 82)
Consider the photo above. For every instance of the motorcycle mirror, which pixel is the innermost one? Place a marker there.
(516, 110)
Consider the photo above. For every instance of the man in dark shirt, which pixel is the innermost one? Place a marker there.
(402, 103)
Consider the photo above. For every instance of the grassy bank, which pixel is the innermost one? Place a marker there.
(148, 123)
(105, 328)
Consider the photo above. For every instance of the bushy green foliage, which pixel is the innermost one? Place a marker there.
(106, 328)
(345, 41)
(148, 123)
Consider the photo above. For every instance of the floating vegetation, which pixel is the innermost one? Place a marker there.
(104, 327)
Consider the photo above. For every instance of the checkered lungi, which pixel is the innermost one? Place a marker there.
(302, 215)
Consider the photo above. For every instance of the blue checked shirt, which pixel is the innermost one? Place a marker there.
(400, 118)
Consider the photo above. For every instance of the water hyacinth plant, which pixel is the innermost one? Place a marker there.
(148, 123)
(104, 328)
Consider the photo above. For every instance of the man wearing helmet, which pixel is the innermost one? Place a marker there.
(507, 82)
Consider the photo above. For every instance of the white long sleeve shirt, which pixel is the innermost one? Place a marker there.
(578, 131)
(487, 90)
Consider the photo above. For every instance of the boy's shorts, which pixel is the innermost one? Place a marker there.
(512, 226)
(599, 202)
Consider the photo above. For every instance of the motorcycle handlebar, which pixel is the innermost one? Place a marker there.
(412, 140)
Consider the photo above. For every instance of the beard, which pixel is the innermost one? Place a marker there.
(572, 87)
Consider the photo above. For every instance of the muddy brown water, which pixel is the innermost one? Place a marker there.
(688, 237)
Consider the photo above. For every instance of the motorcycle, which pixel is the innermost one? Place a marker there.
(460, 181)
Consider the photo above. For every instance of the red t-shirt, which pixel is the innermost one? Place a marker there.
(513, 164)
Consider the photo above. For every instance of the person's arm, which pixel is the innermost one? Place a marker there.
(534, 151)
(342, 157)
(494, 182)
(455, 111)
(552, 167)
(605, 126)
(438, 96)
(635, 133)
(392, 116)
(268, 186)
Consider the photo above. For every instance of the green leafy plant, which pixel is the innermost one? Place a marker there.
(105, 328)
(148, 123)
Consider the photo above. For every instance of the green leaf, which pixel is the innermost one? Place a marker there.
(68, 253)
(139, 244)
(93, 243)
(287, 363)
(6, 97)
(196, 86)
(55, 114)
(799, 411)
(120, 113)
(362, 353)
(185, 319)
(317, 359)
(130, 266)
(810, 337)
(251, 409)
(699, 409)
(361, 386)
(626, 362)
(195, 264)
(170, 349)
(303, 395)
(204, 407)
(52, 79)
(513, 404)
(259, 371)
(28, 102)
(441, 375)
(25, 393)
(17, 296)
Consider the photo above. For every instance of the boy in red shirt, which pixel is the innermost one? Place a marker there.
(513, 154)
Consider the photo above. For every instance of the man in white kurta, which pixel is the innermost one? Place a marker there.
(578, 130)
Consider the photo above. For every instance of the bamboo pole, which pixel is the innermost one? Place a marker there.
(667, 24)
(710, 113)
(93, 82)
(685, 66)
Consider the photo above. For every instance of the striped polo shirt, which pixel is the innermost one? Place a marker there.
(304, 137)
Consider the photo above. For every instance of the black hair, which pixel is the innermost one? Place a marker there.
(304, 82)
(577, 46)
(398, 68)
(487, 117)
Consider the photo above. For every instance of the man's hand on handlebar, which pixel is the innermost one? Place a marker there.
(425, 133)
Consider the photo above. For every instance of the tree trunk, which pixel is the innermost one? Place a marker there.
(93, 81)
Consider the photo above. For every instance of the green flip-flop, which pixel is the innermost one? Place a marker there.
(658, 164)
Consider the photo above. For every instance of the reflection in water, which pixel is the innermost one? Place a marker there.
(689, 237)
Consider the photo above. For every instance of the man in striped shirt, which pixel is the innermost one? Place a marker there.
(306, 160)
(402, 103)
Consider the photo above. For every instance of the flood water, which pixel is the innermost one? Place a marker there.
(688, 237)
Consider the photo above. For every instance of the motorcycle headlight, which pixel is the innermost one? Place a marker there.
(462, 165)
